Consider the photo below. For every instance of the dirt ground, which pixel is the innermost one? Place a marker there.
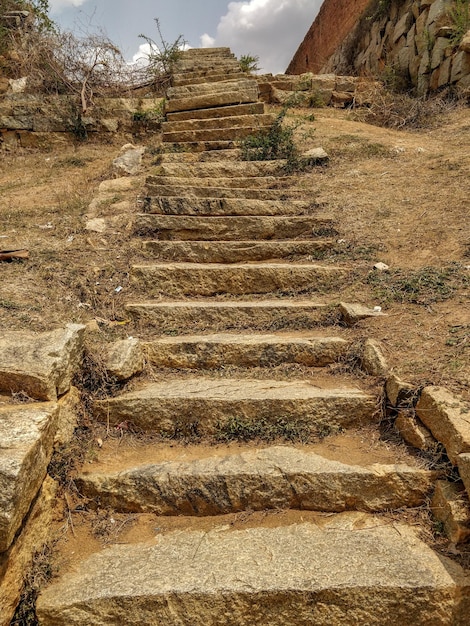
(398, 197)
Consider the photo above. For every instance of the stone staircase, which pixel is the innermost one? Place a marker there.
(267, 524)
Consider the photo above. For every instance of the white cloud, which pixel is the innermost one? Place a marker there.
(207, 41)
(57, 5)
(270, 29)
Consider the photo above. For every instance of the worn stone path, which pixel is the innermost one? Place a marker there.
(234, 284)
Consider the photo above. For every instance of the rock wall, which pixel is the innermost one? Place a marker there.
(421, 43)
(333, 23)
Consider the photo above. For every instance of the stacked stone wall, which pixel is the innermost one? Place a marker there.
(38, 121)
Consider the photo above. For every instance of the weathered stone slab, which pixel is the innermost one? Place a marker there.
(214, 351)
(372, 359)
(221, 169)
(236, 251)
(206, 76)
(448, 418)
(15, 563)
(354, 312)
(399, 393)
(178, 279)
(272, 478)
(239, 121)
(124, 359)
(253, 182)
(201, 97)
(414, 432)
(40, 365)
(69, 412)
(205, 405)
(343, 572)
(26, 441)
(187, 190)
(233, 133)
(231, 228)
(451, 507)
(251, 108)
(189, 316)
(168, 205)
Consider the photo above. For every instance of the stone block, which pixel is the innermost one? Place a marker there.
(27, 437)
(16, 562)
(451, 507)
(348, 571)
(403, 26)
(413, 431)
(354, 312)
(448, 418)
(372, 360)
(40, 365)
(398, 392)
(69, 412)
(124, 359)
(460, 66)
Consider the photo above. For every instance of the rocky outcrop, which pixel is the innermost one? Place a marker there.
(419, 43)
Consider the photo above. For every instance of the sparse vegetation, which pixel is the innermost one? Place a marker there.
(422, 286)
(262, 429)
(460, 16)
(404, 111)
(249, 63)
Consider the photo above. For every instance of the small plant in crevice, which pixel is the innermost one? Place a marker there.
(249, 63)
(34, 580)
(275, 143)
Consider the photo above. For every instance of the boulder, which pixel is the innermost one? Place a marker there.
(40, 365)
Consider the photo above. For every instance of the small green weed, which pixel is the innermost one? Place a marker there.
(423, 286)
(249, 63)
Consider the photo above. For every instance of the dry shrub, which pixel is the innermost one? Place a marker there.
(402, 110)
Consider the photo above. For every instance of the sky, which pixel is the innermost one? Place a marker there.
(269, 29)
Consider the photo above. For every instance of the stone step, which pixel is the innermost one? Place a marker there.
(251, 108)
(240, 121)
(221, 169)
(197, 65)
(231, 228)
(185, 316)
(200, 53)
(253, 350)
(168, 205)
(236, 251)
(346, 569)
(215, 407)
(189, 191)
(278, 477)
(241, 85)
(215, 134)
(215, 75)
(222, 94)
(201, 146)
(231, 182)
(208, 279)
